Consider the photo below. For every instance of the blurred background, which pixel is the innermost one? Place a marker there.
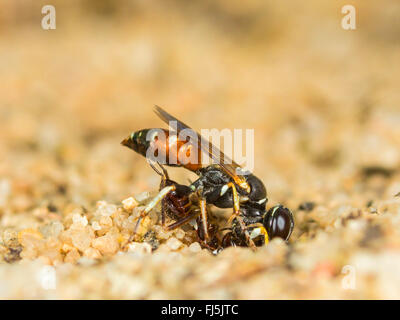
(324, 102)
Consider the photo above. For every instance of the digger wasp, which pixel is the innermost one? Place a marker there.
(218, 184)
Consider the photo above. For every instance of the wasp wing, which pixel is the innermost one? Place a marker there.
(226, 164)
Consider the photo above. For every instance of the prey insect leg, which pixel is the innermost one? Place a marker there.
(164, 177)
(182, 221)
(153, 203)
(203, 211)
(163, 174)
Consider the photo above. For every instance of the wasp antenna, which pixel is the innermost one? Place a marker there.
(158, 110)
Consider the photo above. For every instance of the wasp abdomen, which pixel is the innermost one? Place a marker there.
(161, 147)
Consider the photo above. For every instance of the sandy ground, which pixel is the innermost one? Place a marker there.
(324, 104)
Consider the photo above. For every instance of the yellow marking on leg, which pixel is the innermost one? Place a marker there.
(258, 230)
(236, 202)
(265, 233)
(242, 183)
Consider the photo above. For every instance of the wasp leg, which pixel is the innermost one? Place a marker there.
(236, 200)
(236, 212)
(182, 221)
(153, 203)
(163, 174)
(203, 212)
(261, 230)
(246, 233)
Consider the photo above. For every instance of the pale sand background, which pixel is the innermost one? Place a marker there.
(324, 103)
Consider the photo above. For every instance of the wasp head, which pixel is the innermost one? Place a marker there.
(279, 222)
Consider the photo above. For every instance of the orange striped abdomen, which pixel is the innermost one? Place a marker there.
(167, 149)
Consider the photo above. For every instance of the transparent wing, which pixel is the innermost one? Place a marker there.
(226, 164)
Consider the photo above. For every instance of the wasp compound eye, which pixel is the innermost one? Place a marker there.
(279, 222)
